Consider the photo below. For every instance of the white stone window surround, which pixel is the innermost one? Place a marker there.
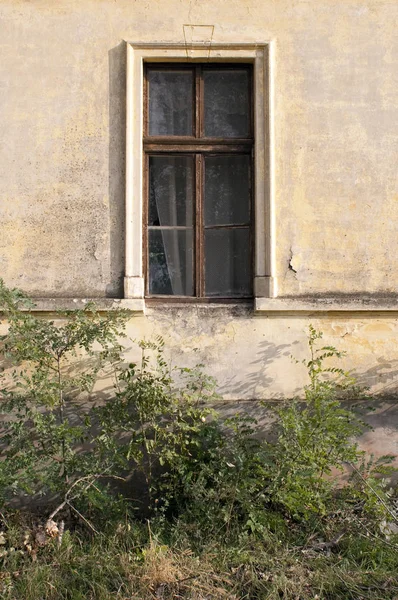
(261, 56)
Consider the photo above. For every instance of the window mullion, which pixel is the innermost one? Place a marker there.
(199, 255)
(200, 92)
(197, 112)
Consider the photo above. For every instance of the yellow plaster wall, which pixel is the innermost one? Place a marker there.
(62, 161)
(261, 357)
(62, 74)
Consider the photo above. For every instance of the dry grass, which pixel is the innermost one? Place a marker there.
(168, 574)
(125, 566)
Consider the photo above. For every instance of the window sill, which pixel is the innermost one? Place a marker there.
(259, 306)
(134, 305)
(330, 304)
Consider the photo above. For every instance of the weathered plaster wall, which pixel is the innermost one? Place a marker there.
(255, 358)
(62, 107)
(261, 357)
(62, 76)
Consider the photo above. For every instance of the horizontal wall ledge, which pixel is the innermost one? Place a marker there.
(326, 304)
(101, 304)
(261, 305)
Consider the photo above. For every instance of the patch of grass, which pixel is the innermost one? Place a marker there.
(135, 562)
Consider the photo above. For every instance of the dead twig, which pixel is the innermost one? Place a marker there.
(84, 519)
(325, 545)
(91, 481)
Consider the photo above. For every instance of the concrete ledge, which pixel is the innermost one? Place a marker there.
(287, 305)
(135, 305)
(324, 304)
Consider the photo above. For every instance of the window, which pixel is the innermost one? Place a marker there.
(198, 143)
(185, 146)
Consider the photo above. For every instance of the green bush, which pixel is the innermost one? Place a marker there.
(56, 439)
(235, 478)
(230, 513)
(154, 421)
(314, 436)
(47, 425)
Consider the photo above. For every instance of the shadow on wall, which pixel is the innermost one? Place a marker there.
(380, 406)
(117, 154)
(256, 383)
(379, 410)
(382, 377)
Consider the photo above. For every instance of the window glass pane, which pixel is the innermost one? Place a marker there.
(227, 262)
(170, 190)
(171, 262)
(170, 102)
(227, 190)
(226, 103)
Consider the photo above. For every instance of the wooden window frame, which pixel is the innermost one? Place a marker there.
(198, 146)
(260, 55)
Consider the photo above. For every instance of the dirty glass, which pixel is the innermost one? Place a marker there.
(227, 190)
(199, 190)
(226, 103)
(171, 181)
(170, 102)
(227, 262)
(170, 262)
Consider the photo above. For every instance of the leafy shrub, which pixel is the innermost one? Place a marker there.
(236, 480)
(314, 436)
(155, 419)
(46, 425)
(230, 514)
(57, 441)
(158, 423)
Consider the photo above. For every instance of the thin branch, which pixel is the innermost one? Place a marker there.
(83, 518)
(325, 545)
(376, 537)
(388, 509)
(92, 479)
(60, 507)
(4, 519)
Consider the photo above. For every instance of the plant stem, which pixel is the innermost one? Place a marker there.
(61, 401)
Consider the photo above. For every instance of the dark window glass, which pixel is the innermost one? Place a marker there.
(227, 262)
(199, 188)
(227, 190)
(171, 180)
(171, 262)
(226, 103)
(170, 102)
